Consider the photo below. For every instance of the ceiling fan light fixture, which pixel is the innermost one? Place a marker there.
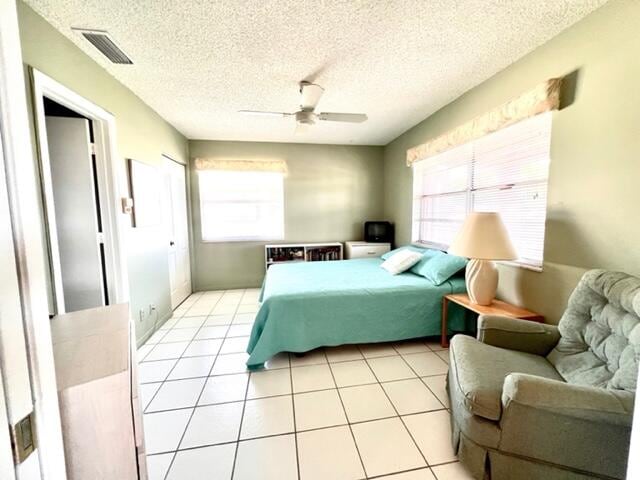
(305, 117)
(310, 94)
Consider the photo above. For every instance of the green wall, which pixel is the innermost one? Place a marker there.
(329, 192)
(592, 214)
(141, 134)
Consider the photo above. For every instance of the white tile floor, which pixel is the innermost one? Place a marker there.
(351, 412)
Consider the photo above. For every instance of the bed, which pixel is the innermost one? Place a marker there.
(314, 304)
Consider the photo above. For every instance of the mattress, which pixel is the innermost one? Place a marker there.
(313, 304)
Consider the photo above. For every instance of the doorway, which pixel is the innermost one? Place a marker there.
(80, 180)
(176, 223)
(72, 198)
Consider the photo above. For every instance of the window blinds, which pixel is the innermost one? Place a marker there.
(241, 206)
(505, 171)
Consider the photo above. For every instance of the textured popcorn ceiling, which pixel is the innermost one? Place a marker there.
(198, 62)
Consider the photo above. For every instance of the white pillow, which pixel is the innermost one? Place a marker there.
(401, 261)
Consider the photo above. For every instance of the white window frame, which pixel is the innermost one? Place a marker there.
(543, 124)
(258, 237)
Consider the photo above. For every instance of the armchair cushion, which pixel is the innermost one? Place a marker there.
(478, 371)
(600, 329)
(577, 426)
(515, 334)
(578, 401)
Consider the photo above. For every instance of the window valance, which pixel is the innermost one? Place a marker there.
(542, 98)
(266, 165)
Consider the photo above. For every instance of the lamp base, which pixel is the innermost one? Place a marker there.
(482, 281)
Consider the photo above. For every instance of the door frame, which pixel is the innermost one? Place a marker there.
(187, 196)
(111, 184)
(34, 336)
(15, 401)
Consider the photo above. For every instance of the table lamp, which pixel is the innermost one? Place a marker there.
(483, 238)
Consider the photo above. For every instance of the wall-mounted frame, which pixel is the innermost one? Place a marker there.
(145, 184)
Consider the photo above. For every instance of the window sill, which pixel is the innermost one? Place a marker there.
(244, 240)
(533, 268)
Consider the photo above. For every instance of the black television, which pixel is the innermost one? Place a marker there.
(378, 232)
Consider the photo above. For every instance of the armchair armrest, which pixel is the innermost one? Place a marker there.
(576, 426)
(577, 401)
(515, 334)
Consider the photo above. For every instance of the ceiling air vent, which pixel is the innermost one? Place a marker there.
(103, 42)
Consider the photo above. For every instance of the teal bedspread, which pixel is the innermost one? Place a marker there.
(309, 305)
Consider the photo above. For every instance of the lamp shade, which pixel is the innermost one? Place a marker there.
(483, 236)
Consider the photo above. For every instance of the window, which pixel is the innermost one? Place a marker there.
(506, 172)
(241, 206)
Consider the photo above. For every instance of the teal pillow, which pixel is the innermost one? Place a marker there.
(428, 254)
(440, 267)
(413, 248)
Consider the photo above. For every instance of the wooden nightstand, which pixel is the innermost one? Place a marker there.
(497, 307)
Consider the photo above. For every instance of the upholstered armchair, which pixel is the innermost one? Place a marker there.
(536, 401)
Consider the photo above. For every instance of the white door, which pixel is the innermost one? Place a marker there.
(72, 216)
(7, 469)
(16, 402)
(26, 357)
(177, 224)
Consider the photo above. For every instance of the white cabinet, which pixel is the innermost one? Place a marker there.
(98, 394)
(366, 249)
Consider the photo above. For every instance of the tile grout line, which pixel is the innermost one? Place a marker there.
(432, 392)
(286, 434)
(290, 367)
(180, 317)
(353, 436)
(166, 379)
(295, 430)
(193, 411)
(216, 355)
(244, 402)
(387, 475)
(420, 378)
(347, 423)
(402, 420)
(266, 396)
(295, 425)
(293, 366)
(237, 442)
(153, 345)
(398, 413)
(156, 393)
(144, 409)
(302, 392)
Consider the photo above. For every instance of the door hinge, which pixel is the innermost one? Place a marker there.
(93, 148)
(23, 438)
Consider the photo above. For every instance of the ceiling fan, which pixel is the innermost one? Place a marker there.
(310, 94)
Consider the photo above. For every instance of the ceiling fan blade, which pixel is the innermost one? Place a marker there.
(342, 117)
(310, 94)
(302, 128)
(263, 114)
